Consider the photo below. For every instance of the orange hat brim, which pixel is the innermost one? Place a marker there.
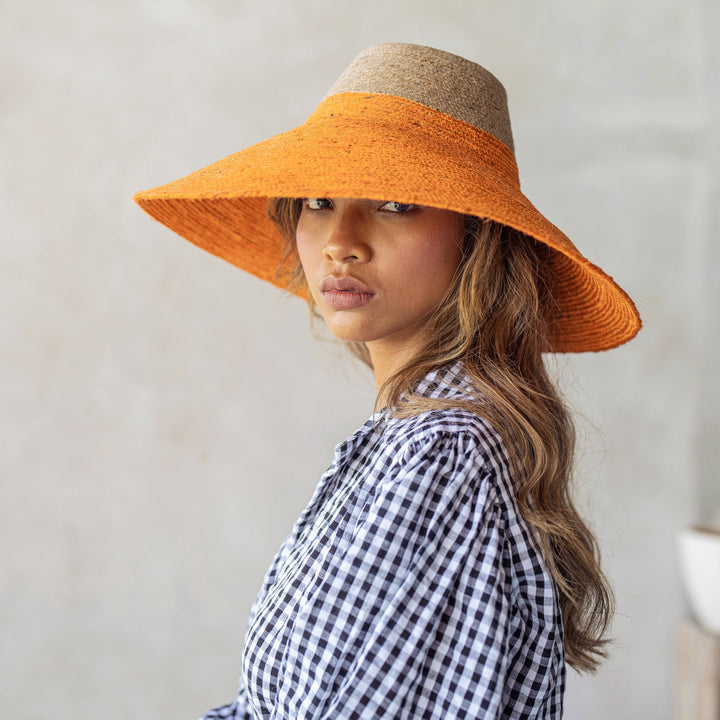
(358, 145)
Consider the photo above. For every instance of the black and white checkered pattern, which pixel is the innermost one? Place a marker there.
(410, 587)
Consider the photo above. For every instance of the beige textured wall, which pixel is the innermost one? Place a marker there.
(164, 418)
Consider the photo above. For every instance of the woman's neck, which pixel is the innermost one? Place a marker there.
(387, 361)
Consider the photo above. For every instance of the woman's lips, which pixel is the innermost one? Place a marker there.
(345, 293)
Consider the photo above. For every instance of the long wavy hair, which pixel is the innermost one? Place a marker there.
(495, 319)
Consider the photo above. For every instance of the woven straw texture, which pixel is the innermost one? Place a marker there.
(456, 86)
(368, 144)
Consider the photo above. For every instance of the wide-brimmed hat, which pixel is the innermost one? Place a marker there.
(405, 123)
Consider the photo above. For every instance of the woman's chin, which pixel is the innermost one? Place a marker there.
(349, 335)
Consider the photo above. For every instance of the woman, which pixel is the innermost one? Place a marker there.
(440, 569)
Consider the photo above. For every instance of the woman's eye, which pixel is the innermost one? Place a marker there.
(317, 203)
(396, 207)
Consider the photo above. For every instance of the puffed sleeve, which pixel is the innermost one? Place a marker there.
(414, 619)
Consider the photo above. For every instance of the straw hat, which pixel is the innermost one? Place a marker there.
(405, 123)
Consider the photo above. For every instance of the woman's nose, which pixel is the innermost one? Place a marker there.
(347, 238)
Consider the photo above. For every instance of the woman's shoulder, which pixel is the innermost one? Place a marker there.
(458, 424)
(456, 432)
(450, 413)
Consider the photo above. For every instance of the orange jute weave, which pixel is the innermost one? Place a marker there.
(362, 142)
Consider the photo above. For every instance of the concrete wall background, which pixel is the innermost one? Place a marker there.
(145, 387)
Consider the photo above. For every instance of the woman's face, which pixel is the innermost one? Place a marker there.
(376, 269)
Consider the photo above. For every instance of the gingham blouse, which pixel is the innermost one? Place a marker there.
(409, 587)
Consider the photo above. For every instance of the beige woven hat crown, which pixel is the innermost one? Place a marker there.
(406, 123)
(456, 87)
